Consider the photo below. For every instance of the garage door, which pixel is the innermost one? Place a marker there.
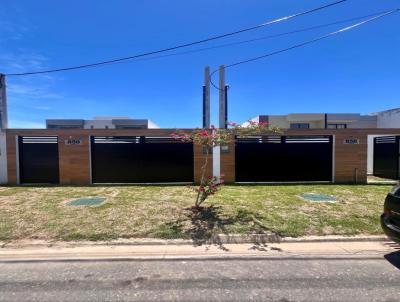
(386, 157)
(38, 159)
(283, 158)
(142, 159)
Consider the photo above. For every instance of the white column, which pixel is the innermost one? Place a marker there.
(217, 162)
(3, 158)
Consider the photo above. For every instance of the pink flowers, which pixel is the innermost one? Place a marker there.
(208, 138)
(205, 137)
(259, 124)
(181, 136)
(209, 187)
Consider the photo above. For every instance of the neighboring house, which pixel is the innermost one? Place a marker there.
(101, 123)
(384, 119)
(319, 120)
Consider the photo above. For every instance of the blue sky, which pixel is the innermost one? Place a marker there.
(357, 71)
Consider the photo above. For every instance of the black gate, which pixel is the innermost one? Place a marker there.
(141, 159)
(38, 159)
(386, 157)
(283, 158)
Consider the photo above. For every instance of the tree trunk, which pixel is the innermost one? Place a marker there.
(200, 199)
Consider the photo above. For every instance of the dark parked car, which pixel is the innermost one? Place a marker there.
(390, 219)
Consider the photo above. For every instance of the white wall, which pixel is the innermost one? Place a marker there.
(389, 119)
(152, 125)
(3, 158)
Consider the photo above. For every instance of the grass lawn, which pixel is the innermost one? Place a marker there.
(162, 212)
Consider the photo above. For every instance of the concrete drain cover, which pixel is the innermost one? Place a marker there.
(313, 197)
(90, 201)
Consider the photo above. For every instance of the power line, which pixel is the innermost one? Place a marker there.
(181, 45)
(251, 40)
(306, 42)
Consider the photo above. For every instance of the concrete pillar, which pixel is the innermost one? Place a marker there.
(222, 121)
(222, 96)
(3, 127)
(206, 98)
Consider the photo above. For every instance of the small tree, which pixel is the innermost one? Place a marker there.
(209, 138)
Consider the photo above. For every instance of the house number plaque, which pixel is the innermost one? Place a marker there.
(73, 141)
(351, 141)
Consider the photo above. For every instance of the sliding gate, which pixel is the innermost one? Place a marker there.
(283, 158)
(38, 159)
(134, 159)
(387, 157)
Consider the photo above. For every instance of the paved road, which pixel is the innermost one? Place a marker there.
(271, 279)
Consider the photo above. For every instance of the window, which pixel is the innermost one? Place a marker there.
(299, 126)
(131, 127)
(64, 127)
(337, 126)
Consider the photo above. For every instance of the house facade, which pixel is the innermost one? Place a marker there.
(332, 148)
(87, 156)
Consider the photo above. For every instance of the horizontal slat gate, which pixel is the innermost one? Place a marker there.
(38, 159)
(386, 157)
(141, 160)
(283, 158)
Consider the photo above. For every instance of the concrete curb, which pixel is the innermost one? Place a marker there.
(218, 240)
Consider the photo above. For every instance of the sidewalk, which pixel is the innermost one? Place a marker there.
(69, 252)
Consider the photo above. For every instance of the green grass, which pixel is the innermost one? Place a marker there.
(163, 212)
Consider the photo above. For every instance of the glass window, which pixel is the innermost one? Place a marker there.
(337, 126)
(299, 126)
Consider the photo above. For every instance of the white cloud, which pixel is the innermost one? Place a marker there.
(13, 26)
(28, 91)
(22, 60)
(40, 107)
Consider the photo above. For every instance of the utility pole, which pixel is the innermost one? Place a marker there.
(3, 103)
(206, 98)
(222, 98)
(3, 127)
(226, 106)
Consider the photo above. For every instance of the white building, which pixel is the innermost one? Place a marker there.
(103, 122)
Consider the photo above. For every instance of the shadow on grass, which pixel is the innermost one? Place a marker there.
(203, 225)
(206, 223)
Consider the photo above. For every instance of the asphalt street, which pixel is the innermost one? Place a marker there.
(375, 278)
